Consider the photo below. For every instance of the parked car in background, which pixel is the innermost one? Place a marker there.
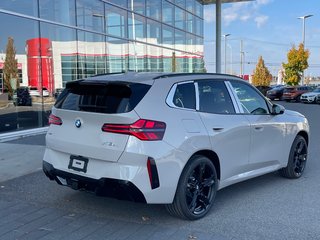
(34, 92)
(275, 93)
(294, 93)
(21, 97)
(57, 92)
(264, 89)
(318, 99)
(172, 139)
(45, 92)
(310, 97)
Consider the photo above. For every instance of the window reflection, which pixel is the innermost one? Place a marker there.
(62, 11)
(121, 3)
(137, 27)
(179, 18)
(153, 32)
(116, 21)
(154, 59)
(117, 51)
(190, 23)
(198, 9)
(90, 15)
(190, 4)
(28, 7)
(167, 36)
(168, 13)
(154, 9)
(138, 6)
(137, 56)
(18, 109)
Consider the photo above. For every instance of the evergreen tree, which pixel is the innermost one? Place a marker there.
(10, 69)
(297, 63)
(261, 75)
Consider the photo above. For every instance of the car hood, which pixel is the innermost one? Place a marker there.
(293, 113)
(311, 94)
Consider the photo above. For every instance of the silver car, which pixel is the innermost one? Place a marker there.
(173, 139)
(310, 97)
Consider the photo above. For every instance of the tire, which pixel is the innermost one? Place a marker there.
(297, 159)
(196, 189)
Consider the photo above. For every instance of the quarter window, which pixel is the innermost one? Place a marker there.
(214, 97)
(184, 96)
(251, 101)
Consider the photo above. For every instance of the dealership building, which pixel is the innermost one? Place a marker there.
(57, 41)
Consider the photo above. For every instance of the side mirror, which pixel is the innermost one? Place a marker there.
(277, 109)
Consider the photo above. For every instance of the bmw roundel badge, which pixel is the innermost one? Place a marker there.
(78, 123)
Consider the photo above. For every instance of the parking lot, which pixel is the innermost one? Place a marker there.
(267, 207)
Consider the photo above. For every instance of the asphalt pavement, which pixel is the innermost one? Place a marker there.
(267, 207)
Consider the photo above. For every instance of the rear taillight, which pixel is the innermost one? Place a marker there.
(146, 130)
(54, 120)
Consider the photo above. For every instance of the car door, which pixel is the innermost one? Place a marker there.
(267, 131)
(229, 131)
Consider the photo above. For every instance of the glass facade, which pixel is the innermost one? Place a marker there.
(56, 41)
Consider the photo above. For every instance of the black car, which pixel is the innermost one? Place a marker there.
(21, 97)
(264, 89)
(275, 93)
(318, 99)
(58, 92)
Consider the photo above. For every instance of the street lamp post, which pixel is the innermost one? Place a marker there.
(231, 59)
(225, 51)
(304, 36)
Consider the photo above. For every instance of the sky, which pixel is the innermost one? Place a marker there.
(267, 28)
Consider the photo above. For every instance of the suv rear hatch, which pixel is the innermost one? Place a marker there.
(81, 111)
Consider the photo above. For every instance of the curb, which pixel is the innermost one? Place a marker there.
(5, 137)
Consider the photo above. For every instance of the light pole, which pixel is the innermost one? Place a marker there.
(304, 36)
(225, 51)
(231, 59)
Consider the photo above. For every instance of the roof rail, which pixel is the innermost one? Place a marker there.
(168, 75)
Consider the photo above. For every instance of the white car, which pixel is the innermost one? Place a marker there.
(45, 92)
(310, 97)
(173, 139)
(34, 92)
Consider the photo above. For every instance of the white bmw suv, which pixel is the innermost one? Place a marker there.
(172, 139)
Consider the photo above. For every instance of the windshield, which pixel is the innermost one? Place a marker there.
(317, 90)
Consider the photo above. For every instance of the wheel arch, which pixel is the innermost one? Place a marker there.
(305, 135)
(213, 158)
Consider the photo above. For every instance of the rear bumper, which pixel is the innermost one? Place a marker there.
(120, 189)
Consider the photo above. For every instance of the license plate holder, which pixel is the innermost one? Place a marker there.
(78, 163)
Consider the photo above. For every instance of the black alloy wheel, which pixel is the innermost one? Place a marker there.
(196, 189)
(297, 159)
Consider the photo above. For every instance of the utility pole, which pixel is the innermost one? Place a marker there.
(225, 51)
(303, 18)
(241, 58)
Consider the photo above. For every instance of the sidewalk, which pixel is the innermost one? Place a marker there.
(21, 157)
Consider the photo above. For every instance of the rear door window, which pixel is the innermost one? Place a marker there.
(214, 97)
(102, 97)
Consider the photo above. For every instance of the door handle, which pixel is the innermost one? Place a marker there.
(218, 129)
(258, 128)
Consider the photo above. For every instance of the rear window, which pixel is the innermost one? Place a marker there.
(288, 89)
(101, 97)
